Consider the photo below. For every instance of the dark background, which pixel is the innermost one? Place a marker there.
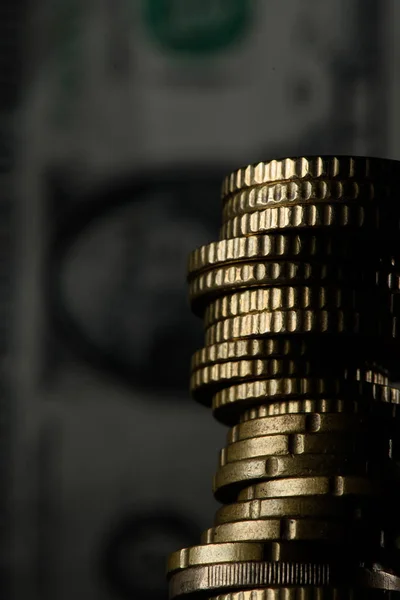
(119, 120)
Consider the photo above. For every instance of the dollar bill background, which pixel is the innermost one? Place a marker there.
(116, 134)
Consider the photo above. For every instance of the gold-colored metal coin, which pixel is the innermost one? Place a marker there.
(299, 593)
(236, 552)
(387, 407)
(291, 298)
(213, 553)
(337, 486)
(282, 347)
(303, 192)
(250, 349)
(206, 381)
(276, 246)
(312, 593)
(300, 443)
(235, 475)
(230, 576)
(259, 530)
(232, 277)
(300, 424)
(301, 507)
(308, 216)
(309, 167)
(229, 402)
(284, 322)
(248, 369)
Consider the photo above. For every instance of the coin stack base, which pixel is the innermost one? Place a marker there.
(299, 299)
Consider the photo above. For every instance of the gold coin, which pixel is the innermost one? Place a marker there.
(234, 476)
(328, 507)
(230, 278)
(308, 167)
(292, 348)
(298, 593)
(204, 382)
(247, 575)
(251, 349)
(387, 406)
(227, 403)
(337, 486)
(259, 530)
(291, 298)
(213, 553)
(224, 374)
(299, 424)
(286, 322)
(302, 192)
(310, 216)
(270, 367)
(275, 246)
(237, 552)
(300, 443)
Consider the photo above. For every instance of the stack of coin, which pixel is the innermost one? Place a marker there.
(299, 301)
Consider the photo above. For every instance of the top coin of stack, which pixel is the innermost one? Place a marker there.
(299, 300)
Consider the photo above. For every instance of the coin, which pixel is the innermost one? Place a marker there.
(299, 424)
(303, 192)
(309, 167)
(250, 348)
(334, 485)
(205, 382)
(227, 279)
(293, 348)
(248, 369)
(213, 553)
(237, 552)
(258, 530)
(291, 298)
(299, 593)
(328, 507)
(247, 575)
(300, 443)
(310, 216)
(276, 246)
(233, 476)
(285, 322)
(227, 403)
(387, 407)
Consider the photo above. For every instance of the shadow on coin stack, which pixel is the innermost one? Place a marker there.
(299, 304)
